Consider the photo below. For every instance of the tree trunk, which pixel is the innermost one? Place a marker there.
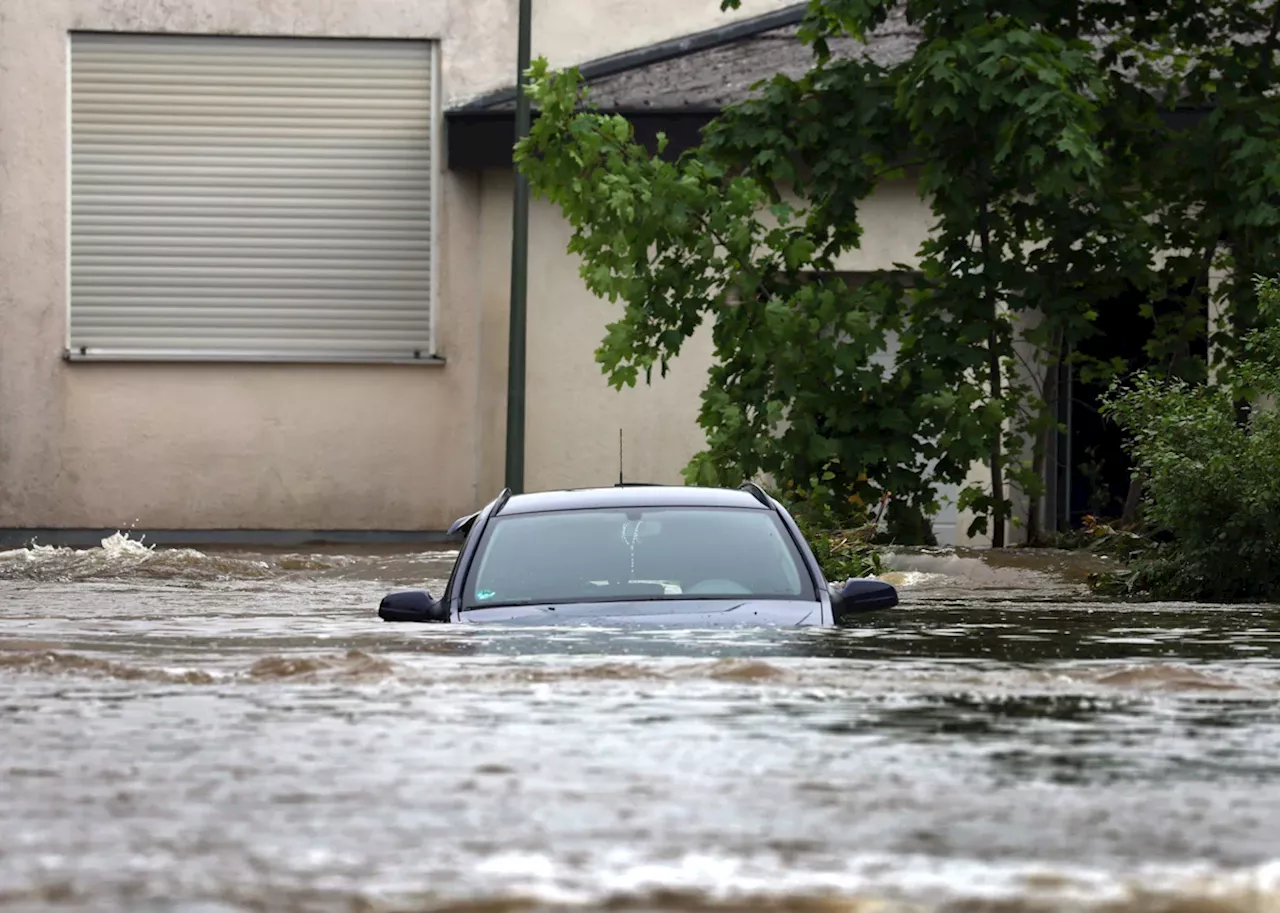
(993, 365)
(997, 456)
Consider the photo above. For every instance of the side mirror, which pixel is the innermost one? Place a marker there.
(861, 595)
(412, 605)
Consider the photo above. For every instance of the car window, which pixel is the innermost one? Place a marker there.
(650, 553)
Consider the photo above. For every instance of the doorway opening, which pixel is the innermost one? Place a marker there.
(1094, 472)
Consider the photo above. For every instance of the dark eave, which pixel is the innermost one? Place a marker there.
(482, 140)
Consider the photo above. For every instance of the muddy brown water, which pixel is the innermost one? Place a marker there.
(189, 731)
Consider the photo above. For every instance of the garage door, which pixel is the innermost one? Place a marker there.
(251, 198)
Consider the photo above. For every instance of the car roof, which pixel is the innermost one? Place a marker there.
(631, 496)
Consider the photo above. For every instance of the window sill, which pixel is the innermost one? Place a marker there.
(162, 356)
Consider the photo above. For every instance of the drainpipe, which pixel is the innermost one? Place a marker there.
(519, 274)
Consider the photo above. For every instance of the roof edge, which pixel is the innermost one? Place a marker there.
(661, 51)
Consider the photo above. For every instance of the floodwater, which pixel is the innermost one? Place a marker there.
(182, 731)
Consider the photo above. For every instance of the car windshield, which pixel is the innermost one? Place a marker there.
(628, 553)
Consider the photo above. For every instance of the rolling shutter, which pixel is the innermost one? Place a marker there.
(251, 198)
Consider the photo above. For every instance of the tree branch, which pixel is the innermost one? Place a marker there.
(912, 164)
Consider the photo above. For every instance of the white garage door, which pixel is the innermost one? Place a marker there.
(251, 198)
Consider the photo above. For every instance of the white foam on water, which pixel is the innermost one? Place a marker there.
(918, 880)
(120, 555)
(909, 579)
(119, 546)
(31, 553)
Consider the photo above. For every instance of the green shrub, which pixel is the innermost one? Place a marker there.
(905, 524)
(839, 529)
(1210, 455)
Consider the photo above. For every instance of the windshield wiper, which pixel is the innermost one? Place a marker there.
(495, 604)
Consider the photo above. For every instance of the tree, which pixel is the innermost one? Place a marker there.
(1037, 132)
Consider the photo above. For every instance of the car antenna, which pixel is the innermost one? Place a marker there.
(620, 482)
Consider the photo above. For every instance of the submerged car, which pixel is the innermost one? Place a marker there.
(638, 555)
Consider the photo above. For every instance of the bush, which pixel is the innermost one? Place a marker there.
(1210, 456)
(838, 528)
(905, 524)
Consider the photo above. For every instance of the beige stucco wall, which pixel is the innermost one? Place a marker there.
(572, 415)
(200, 445)
(312, 446)
(265, 446)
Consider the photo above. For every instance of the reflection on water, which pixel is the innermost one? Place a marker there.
(238, 731)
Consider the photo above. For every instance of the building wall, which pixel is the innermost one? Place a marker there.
(206, 445)
(572, 414)
(260, 446)
(255, 445)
